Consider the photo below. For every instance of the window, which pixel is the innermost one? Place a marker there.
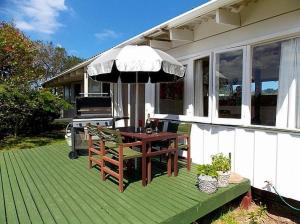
(170, 98)
(67, 93)
(264, 83)
(98, 87)
(201, 87)
(275, 88)
(228, 87)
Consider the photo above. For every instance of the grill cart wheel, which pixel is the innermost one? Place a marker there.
(73, 155)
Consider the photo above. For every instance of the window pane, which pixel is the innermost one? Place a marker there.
(94, 86)
(170, 98)
(106, 88)
(264, 86)
(201, 88)
(67, 93)
(229, 76)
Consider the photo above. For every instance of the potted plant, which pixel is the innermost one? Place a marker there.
(207, 178)
(222, 166)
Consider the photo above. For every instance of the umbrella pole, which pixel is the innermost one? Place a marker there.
(113, 106)
(136, 104)
(136, 100)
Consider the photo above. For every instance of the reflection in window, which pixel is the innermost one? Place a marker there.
(229, 76)
(67, 93)
(201, 88)
(170, 98)
(98, 87)
(264, 86)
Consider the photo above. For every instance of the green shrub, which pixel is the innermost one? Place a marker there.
(207, 169)
(221, 162)
(27, 111)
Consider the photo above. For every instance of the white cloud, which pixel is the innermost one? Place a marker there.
(106, 34)
(37, 15)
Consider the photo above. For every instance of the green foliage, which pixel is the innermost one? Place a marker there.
(71, 61)
(207, 169)
(221, 162)
(17, 53)
(228, 218)
(24, 110)
(255, 217)
(26, 62)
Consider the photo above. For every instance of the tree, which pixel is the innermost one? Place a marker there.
(24, 109)
(71, 61)
(23, 61)
(17, 53)
(54, 59)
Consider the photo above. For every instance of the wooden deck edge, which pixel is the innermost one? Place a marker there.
(205, 207)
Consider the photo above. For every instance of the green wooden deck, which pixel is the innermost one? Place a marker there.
(43, 186)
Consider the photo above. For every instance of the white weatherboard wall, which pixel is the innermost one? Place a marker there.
(257, 154)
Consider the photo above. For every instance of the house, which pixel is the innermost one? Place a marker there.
(241, 90)
(75, 83)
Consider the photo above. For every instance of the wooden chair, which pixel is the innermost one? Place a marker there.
(115, 153)
(184, 131)
(94, 145)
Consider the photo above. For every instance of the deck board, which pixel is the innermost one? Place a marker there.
(42, 185)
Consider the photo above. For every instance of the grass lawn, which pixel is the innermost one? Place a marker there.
(56, 134)
(26, 142)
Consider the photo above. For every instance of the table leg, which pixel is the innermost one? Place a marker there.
(149, 176)
(169, 164)
(144, 167)
(176, 158)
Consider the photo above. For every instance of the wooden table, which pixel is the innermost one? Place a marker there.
(147, 152)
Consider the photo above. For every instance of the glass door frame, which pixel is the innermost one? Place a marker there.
(246, 78)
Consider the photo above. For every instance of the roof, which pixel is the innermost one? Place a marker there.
(175, 22)
(68, 71)
(182, 19)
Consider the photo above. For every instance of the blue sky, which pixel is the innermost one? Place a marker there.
(87, 27)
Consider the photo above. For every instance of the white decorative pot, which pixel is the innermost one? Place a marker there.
(207, 184)
(223, 178)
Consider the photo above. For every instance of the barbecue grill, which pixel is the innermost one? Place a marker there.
(95, 110)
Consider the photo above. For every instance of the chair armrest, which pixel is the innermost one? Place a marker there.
(137, 143)
(183, 136)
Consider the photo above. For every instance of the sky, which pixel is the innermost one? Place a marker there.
(87, 27)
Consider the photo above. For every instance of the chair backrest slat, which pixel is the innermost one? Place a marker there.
(93, 130)
(110, 135)
(184, 128)
(179, 128)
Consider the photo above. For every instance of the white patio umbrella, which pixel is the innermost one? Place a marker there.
(136, 64)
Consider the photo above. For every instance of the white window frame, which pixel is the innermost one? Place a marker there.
(207, 119)
(245, 91)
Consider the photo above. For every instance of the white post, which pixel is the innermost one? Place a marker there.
(129, 102)
(85, 84)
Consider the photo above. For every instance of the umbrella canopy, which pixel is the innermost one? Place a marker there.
(136, 64)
